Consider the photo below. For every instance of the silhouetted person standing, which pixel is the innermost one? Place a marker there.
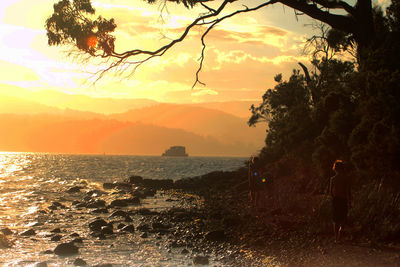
(253, 179)
(339, 189)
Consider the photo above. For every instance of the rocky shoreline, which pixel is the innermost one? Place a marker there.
(156, 212)
(203, 220)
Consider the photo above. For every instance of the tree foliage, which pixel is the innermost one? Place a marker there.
(340, 112)
(71, 23)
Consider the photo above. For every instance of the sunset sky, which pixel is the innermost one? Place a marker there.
(242, 57)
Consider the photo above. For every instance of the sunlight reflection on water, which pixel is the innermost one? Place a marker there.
(30, 182)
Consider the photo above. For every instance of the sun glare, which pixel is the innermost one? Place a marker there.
(92, 41)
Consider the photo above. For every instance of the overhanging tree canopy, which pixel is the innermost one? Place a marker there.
(72, 23)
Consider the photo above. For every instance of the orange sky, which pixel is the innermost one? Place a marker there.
(243, 54)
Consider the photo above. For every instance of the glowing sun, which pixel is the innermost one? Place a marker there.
(92, 41)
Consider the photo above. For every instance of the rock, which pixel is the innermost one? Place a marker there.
(184, 251)
(158, 184)
(108, 185)
(93, 204)
(121, 225)
(58, 204)
(34, 224)
(125, 202)
(77, 240)
(217, 235)
(97, 224)
(29, 232)
(74, 235)
(158, 225)
(202, 260)
(41, 264)
(119, 213)
(119, 203)
(123, 186)
(55, 205)
(103, 265)
(79, 262)
(95, 193)
(80, 205)
(134, 200)
(143, 227)
(74, 189)
(107, 230)
(118, 185)
(6, 231)
(101, 210)
(56, 238)
(128, 228)
(56, 230)
(66, 249)
(144, 211)
(48, 251)
(88, 198)
(52, 207)
(4, 242)
(128, 219)
(144, 235)
(135, 179)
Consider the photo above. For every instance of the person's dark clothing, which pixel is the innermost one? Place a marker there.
(340, 192)
(339, 210)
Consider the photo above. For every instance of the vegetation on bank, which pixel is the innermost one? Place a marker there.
(340, 110)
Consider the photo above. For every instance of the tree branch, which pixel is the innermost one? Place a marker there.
(215, 22)
(339, 22)
(200, 21)
(336, 5)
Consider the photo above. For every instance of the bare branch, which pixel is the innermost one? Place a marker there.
(336, 5)
(215, 22)
(207, 7)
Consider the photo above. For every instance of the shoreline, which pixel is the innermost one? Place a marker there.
(203, 220)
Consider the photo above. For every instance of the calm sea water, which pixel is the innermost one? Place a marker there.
(29, 182)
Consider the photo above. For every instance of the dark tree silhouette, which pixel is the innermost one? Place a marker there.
(71, 23)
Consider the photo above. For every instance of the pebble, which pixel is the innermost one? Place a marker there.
(201, 260)
(29, 232)
(66, 249)
(144, 235)
(56, 238)
(6, 231)
(128, 228)
(79, 262)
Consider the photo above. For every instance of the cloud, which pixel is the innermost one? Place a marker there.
(10, 72)
(203, 92)
(243, 53)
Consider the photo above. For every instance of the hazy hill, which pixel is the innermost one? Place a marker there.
(58, 122)
(237, 108)
(51, 98)
(9, 104)
(224, 127)
(92, 104)
(145, 139)
(62, 100)
(59, 134)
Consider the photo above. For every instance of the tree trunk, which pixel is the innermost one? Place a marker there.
(358, 21)
(364, 33)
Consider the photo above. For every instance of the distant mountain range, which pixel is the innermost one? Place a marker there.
(140, 127)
